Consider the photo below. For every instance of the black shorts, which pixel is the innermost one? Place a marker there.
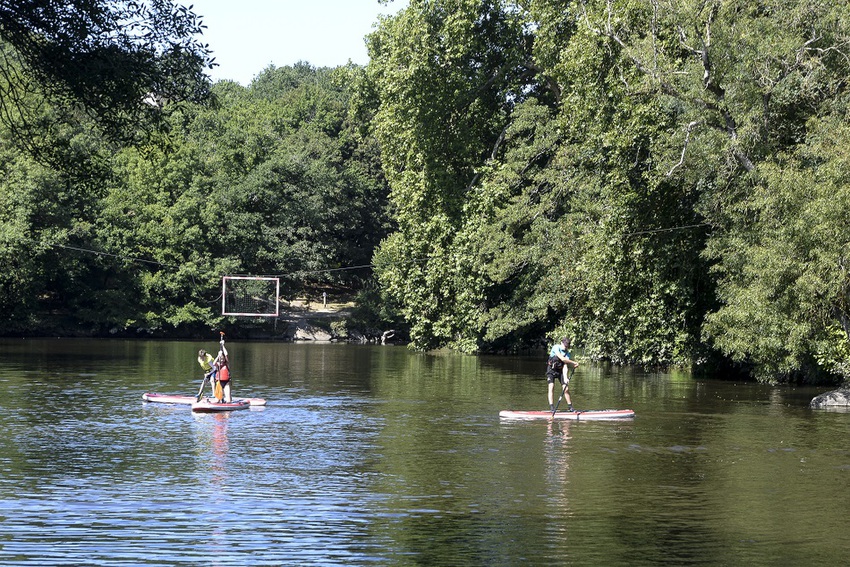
(552, 375)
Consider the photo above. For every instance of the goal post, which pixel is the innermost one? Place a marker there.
(250, 296)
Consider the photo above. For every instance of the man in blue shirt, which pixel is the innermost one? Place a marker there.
(558, 368)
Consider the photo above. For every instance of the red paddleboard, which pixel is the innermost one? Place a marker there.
(210, 405)
(578, 415)
(189, 400)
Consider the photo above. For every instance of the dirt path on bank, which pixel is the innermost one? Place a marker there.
(301, 309)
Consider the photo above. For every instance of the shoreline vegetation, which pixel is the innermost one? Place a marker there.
(300, 319)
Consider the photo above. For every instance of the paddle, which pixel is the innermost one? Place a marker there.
(564, 390)
(201, 389)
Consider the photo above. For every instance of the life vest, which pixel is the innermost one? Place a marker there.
(555, 364)
(206, 362)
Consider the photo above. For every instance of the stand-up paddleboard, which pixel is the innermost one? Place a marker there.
(211, 405)
(189, 400)
(578, 415)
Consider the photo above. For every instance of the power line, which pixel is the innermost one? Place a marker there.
(154, 262)
(109, 254)
(669, 229)
(313, 272)
(331, 270)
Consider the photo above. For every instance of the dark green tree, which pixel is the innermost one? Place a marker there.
(47, 279)
(445, 75)
(618, 194)
(273, 181)
(126, 64)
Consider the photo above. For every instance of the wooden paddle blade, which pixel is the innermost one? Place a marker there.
(218, 393)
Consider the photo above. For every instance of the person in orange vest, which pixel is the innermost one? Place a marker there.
(223, 375)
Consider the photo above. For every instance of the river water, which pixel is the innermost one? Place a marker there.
(373, 455)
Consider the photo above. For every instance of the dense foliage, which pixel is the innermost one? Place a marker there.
(273, 180)
(667, 182)
(662, 180)
(125, 64)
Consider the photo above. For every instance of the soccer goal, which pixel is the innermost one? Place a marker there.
(250, 296)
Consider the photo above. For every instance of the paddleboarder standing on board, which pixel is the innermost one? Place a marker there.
(557, 368)
(207, 363)
(223, 375)
(211, 367)
(217, 372)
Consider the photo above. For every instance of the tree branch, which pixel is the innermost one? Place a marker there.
(730, 126)
(685, 146)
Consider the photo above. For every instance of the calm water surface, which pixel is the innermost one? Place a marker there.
(371, 455)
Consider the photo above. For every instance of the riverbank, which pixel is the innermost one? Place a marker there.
(300, 319)
(304, 320)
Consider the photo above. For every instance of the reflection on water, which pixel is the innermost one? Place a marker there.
(374, 455)
(557, 454)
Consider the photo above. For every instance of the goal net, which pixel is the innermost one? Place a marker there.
(250, 296)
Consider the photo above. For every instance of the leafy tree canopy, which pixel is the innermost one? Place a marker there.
(126, 63)
(274, 180)
(636, 174)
